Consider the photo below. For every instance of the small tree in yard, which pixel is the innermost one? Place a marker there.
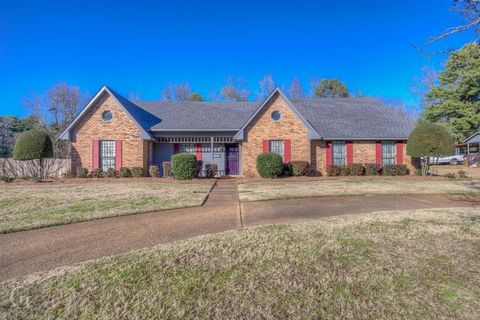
(429, 140)
(34, 146)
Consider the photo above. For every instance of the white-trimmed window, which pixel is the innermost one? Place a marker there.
(278, 147)
(388, 153)
(339, 153)
(107, 155)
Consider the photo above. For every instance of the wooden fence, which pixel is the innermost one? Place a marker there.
(55, 168)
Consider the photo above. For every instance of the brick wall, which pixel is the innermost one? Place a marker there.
(264, 128)
(121, 127)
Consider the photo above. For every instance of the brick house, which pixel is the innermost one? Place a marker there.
(113, 132)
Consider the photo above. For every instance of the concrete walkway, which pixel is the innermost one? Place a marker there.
(25, 252)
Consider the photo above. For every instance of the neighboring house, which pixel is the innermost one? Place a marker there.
(113, 132)
(470, 148)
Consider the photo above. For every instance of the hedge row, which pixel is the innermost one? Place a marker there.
(367, 169)
(124, 172)
(270, 165)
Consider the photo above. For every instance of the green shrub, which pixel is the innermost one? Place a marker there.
(32, 145)
(111, 173)
(96, 173)
(299, 168)
(371, 169)
(269, 165)
(356, 169)
(167, 169)
(137, 172)
(153, 171)
(210, 170)
(333, 171)
(462, 174)
(5, 179)
(82, 173)
(184, 166)
(125, 172)
(395, 170)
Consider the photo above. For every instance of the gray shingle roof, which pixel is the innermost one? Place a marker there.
(198, 115)
(349, 118)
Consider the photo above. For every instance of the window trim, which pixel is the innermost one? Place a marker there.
(106, 112)
(282, 142)
(391, 157)
(112, 155)
(335, 160)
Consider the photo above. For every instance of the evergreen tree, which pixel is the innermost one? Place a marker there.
(455, 101)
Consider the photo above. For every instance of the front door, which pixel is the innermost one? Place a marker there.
(232, 155)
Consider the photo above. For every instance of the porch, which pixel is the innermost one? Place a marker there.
(221, 151)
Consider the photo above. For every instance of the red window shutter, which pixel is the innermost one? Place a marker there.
(266, 145)
(349, 152)
(378, 153)
(118, 154)
(288, 151)
(95, 154)
(176, 148)
(198, 151)
(399, 152)
(329, 153)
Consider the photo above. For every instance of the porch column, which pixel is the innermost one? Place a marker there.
(211, 149)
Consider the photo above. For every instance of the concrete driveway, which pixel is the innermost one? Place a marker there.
(25, 252)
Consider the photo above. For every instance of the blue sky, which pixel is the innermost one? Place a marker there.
(140, 46)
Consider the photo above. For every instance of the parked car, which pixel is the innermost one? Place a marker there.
(451, 160)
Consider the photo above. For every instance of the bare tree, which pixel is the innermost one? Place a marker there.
(266, 86)
(420, 86)
(177, 92)
(470, 10)
(295, 90)
(55, 109)
(235, 90)
(6, 135)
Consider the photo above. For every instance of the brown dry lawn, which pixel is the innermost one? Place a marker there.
(29, 206)
(287, 189)
(417, 264)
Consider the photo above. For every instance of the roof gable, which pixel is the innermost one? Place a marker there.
(138, 116)
(313, 134)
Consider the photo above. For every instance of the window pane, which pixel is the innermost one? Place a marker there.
(276, 146)
(107, 155)
(187, 148)
(388, 152)
(338, 153)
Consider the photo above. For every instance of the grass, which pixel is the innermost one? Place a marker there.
(413, 264)
(256, 191)
(29, 206)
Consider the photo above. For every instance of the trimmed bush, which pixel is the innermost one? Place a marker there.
(356, 169)
(32, 145)
(111, 173)
(394, 170)
(96, 173)
(82, 173)
(153, 171)
(210, 170)
(184, 166)
(269, 165)
(299, 168)
(167, 169)
(371, 169)
(125, 172)
(5, 179)
(333, 171)
(137, 172)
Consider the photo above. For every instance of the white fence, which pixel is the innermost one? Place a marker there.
(55, 168)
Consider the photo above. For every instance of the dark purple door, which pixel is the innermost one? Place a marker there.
(232, 159)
